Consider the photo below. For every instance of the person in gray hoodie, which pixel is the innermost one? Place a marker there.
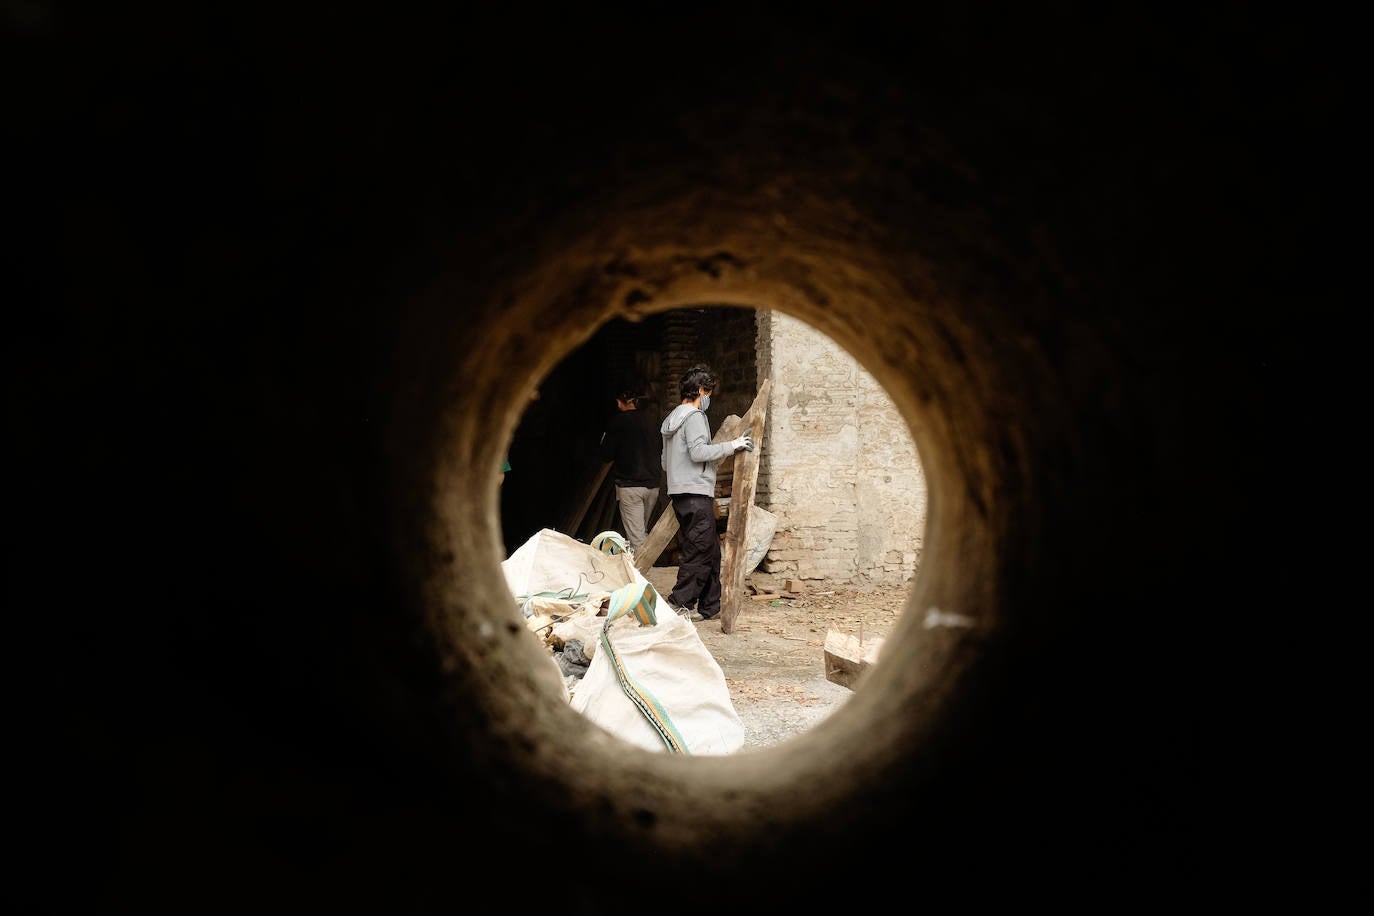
(689, 459)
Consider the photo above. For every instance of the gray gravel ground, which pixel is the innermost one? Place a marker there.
(774, 660)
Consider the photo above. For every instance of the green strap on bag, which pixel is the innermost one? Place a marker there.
(637, 600)
(610, 542)
(563, 594)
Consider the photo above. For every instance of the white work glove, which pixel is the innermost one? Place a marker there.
(744, 442)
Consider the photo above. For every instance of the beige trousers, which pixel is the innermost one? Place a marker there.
(636, 505)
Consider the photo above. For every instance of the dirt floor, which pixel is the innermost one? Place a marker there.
(774, 661)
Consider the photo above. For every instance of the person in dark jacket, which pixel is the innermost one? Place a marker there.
(689, 459)
(632, 445)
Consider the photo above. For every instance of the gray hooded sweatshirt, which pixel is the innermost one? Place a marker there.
(689, 456)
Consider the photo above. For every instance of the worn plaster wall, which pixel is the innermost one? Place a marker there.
(839, 468)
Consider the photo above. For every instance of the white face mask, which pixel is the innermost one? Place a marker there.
(705, 401)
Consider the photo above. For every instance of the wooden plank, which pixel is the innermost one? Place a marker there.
(601, 516)
(575, 520)
(735, 549)
(847, 658)
(666, 527)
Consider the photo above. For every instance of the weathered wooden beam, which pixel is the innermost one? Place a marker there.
(601, 516)
(575, 520)
(735, 549)
(666, 526)
(847, 658)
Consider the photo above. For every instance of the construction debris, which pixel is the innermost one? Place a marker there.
(848, 657)
(652, 675)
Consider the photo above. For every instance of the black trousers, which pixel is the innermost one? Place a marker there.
(698, 568)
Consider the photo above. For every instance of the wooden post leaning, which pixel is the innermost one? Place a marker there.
(575, 520)
(735, 549)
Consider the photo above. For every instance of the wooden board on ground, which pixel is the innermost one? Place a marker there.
(846, 658)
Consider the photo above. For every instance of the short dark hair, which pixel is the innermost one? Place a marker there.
(699, 376)
(632, 391)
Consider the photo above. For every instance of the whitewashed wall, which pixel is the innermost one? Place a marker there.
(839, 467)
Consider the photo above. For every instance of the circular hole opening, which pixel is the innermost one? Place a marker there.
(903, 711)
(837, 499)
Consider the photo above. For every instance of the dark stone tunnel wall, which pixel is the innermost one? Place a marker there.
(261, 669)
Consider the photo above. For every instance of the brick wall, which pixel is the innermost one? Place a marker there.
(722, 337)
(838, 466)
